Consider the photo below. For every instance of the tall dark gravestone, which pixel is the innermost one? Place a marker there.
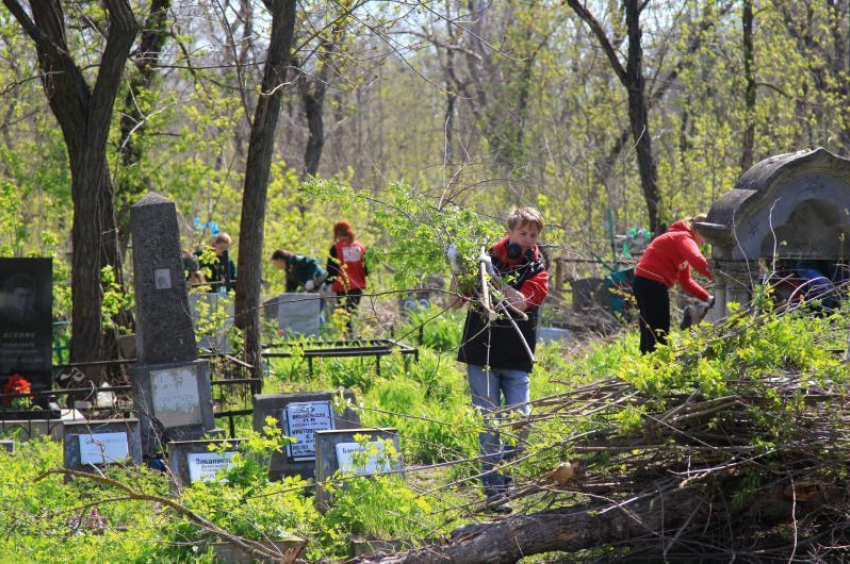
(171, 387)
(26, 317)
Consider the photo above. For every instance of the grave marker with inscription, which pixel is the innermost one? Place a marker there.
(88, 444)
(341, 450)
(301, 415)
(301, 421)
(193, 461)
(171, 387)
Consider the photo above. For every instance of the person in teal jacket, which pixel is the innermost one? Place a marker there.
(301, 270)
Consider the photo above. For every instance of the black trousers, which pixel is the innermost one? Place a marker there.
(653, 300)
(349, 301)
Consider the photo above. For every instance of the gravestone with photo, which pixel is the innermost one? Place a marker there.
(300, 415)
(171, 387)
(91, 444)
(26, 324)
(346, 451)
(193, 461)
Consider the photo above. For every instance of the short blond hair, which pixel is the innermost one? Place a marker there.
(525, 216)
(690, 221)
(222, 238)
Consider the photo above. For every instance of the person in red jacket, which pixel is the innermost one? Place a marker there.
(347, 269)
(669, 258)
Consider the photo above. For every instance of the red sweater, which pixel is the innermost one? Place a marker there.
(534, 288)
(670, 257)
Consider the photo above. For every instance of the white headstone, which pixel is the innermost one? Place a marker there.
(175, 396)
(376, 462)
(104, 448)
(203, 466)
(302, 420)
(299, 313)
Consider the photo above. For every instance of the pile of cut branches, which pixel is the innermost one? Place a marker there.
(730, 445)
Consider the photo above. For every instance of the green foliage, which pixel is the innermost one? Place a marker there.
(440, 329)
(116, 298)
(380, 506)
(417, 230)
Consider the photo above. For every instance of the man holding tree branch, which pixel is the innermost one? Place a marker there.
(499, 337)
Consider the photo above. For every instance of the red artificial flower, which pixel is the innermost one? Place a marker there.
(16, 384)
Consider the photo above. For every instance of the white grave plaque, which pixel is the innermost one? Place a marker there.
(203, 466)
(176, 401)
(377, 462)
(303, 419)
(103, 448)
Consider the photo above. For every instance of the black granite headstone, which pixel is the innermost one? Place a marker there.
(26, 338)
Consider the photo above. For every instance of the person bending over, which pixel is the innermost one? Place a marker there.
(669, 258)
(301, 270)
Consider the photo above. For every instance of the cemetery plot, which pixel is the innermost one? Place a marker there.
(300, 415)
(344, 349)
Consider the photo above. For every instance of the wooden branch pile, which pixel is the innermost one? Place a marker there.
(756, 475)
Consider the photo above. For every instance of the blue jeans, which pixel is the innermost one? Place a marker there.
(493, 390)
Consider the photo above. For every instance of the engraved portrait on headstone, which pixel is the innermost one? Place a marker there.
(26, 298)
(162, 279)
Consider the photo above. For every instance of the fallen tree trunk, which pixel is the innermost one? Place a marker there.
(676, 525)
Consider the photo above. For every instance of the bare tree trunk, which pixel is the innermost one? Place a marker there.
(84, 114)
(656, 528)
(631, 77)
(449, 115)
(639, 114)
(257, 170)
(313, 98)
(748, 142)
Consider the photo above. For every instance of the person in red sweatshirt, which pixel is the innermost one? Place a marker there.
(669, 258)
(347, 270)
(498, 364)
